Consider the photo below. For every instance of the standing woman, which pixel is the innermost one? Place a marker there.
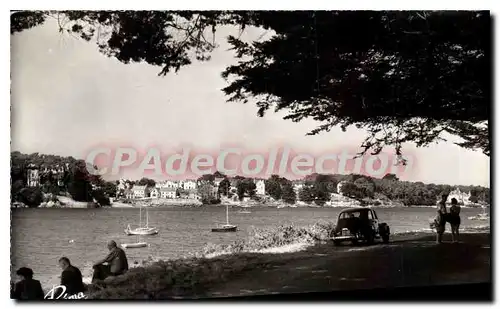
(440, 221)
(454, 219)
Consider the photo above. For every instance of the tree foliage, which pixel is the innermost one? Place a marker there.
(280, 188)
(288, 194)
(273, 187)
(32, 196)
(146, 182)
(402, 76)
(224, 187)
(57, 175)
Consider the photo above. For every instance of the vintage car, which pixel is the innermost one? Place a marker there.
(359, 224)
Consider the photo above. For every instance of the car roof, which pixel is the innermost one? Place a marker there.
(355, 210)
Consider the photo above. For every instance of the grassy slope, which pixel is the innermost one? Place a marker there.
(409, 260)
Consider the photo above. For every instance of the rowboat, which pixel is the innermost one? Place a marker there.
(135, 245)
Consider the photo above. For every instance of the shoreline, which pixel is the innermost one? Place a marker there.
(321, 267)
(338, 201)
(194, 205)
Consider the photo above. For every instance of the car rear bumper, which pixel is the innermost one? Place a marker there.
(345, 237)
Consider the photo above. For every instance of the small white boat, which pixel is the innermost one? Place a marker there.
(135, 245)
(142, 230)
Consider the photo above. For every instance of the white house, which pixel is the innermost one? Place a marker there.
(140, 191)
(189, 184)
(168, 192)
(192, 194)
(171, 184)
(260, 186)
(33, 176)
(154, 193)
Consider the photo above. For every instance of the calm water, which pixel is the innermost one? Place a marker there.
(41, 236)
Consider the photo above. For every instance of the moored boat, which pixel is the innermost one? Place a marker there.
(142, 230)
(135, 245)
(226, 227)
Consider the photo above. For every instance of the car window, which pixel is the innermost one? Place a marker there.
(370, 215)
(347, 215)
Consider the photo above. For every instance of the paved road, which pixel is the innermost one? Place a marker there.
(414, 260)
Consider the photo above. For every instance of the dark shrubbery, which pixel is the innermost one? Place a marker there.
(31, 196)
(273, 237)
(165, 279)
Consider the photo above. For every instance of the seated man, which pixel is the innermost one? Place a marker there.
(71, 277)
(117, 263)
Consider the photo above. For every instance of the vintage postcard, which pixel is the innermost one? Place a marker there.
(159, 155)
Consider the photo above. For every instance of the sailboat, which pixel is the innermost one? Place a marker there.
(482, 216)
(226, 227)
(142, 230)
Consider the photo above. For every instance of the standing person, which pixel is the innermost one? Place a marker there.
(27, 288)
(71, 277)
(440, 221)
(116, 260)
(454, 219)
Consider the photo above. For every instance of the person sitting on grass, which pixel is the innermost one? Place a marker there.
(454, 219)
(71, 277)
(27, 288)
(116, 260)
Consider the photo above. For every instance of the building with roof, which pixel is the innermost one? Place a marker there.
(168, 192)
(140, 191)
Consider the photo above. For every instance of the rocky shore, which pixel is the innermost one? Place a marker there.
(337, 200)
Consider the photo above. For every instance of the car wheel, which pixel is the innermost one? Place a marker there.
(354, 241)
(336, 243)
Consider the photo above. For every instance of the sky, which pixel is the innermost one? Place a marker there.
(67, 98)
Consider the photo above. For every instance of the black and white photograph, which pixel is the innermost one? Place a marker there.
(333, 155)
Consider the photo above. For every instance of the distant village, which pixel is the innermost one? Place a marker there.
(188, 191)
(181, 189)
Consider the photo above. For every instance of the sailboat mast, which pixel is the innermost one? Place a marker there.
(140, 216)
(147, 218)
(227, 214)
